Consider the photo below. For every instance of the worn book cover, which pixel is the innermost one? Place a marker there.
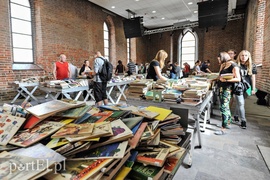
(14, 163)
(74, 112)
(120, 133)
(76, 130)
(52, 107)
(69, 147)
(133, 142)
(101, 129)
(56, 142)
(82, 119)
(80, 170)
(154, 158)
(173, 162)
(141, 172)
(77, 149)
(163, 113)
(40, 151)
(132, 121)
(114, 150)
(99, 117)
(28, 137)
(8, 147)
(118, 115)
(140, 111)
(147, 134)
(31, 121)
(9, 125)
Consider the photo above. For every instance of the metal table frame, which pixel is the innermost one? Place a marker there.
(22, 89)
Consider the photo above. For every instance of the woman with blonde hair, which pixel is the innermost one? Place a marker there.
(226, 85)
(156, 65)
(248, 70)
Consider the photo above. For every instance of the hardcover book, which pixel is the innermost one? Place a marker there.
(163, 113)
(141, 172)
(84, 169)
(133, 142)
(115, 151)
(28, 137)
(9, 125)
(52, 107)
(74, 112)
(120, 133)
(40, 151)
(74, 130)
(132, 121)
(18, 162)
(100, 130)
(153, 158)
(173, 162)
(99, 117)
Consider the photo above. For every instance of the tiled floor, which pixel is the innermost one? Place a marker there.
(234, 156)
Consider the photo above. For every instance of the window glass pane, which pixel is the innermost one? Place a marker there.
(22, 55)
(188, 43)
(188, 50)
(22, 2)
(188, 36)
(188, 57)
(20, 12)
(106, 44)
(20, 26)
(106, 51)
(22, 41)
(105, 35)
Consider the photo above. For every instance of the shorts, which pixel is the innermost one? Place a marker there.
(100, 91)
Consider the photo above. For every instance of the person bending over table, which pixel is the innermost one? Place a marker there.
(85, 70)
(156, 65)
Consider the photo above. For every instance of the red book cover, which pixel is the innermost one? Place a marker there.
(133, 142)
(31, 122)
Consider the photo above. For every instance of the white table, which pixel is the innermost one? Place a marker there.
(22, 89)
(50, 90)
(111, 87)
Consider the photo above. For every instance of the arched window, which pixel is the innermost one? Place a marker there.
(21, 31)
(106, 40)
(188, 47)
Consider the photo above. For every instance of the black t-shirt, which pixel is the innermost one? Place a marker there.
(173, 68)
(151, 70)
(225, 71)
(244, 72)
(120, 68)
(204, 67)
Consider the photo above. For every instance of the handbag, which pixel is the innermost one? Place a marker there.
(240, 87)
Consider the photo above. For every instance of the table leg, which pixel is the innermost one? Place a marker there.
(109, 94)
(17, 96)
(78, 95)
(121, 90)
(197, 123)
(30, 94)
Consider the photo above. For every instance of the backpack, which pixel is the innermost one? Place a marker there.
(106, 71)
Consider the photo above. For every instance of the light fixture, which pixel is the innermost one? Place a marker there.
(190, 3)
(154, 11)
(195, 11)
(163, 18)
(113, 7)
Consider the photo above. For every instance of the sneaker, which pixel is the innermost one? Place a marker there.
(219, 132)
(243, 124)
(236, 119)
(228, 126)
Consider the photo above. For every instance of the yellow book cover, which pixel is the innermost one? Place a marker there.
(163, 113)
(123, 172)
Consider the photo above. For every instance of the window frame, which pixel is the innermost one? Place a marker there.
(106, 31)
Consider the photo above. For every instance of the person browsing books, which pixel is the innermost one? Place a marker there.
(99, 86)
(61, 69)
(156, 65)
(226, 85)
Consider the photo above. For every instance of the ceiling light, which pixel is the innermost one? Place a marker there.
(113, 7)
(195, 11)
(190, 3)
(153, 11)
(163, 18)
(137, 0)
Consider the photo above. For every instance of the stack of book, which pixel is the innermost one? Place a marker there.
(139, 87)
(85, 142)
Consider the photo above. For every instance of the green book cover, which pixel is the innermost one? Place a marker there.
(141, 172)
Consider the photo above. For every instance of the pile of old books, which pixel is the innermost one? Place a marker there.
(139, 87)
(73, 140)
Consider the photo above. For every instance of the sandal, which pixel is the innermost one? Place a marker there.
(219, 132)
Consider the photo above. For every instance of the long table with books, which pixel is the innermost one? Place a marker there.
(201, 109)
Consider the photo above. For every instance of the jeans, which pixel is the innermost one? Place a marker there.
(240, 107)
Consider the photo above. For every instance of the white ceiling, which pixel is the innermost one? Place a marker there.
(168, 12)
